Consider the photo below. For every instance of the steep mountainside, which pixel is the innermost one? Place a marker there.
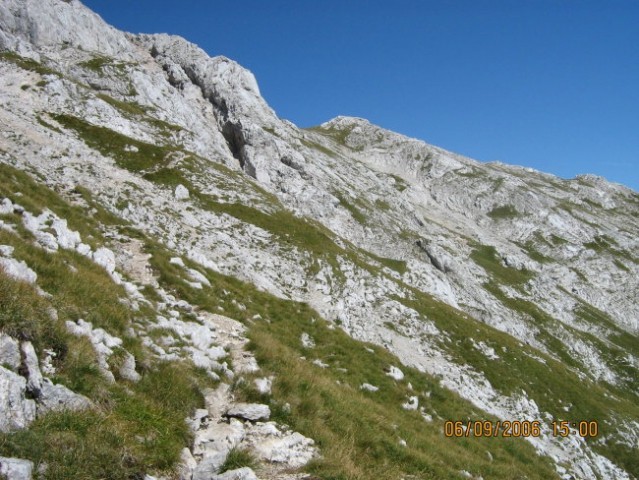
(170, 249)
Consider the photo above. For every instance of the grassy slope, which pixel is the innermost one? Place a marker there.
(355, 429)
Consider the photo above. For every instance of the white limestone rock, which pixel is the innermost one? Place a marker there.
(127, 369)
(177, 261)
(9, 352)
(58, 398)
(16, 468)
(181, 192)
(34, 376)
(105, 258)
(271, 444)
(198, 277)
(412, 404)
(244, 473)
(16, 411)
(249, 411)
(395, 373)
(264, 385)
(307, 340)
(187, 465)
(209, 466)
(18, 270)
(368, 387)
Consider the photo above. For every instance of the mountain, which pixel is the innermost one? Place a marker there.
(191, 284)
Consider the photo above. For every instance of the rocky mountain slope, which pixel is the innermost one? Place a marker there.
(191, 284)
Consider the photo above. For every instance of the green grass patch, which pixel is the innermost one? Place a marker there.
(28, 64)
(532, 252)
(128, 153)
(355, 212)
(99, 63)
(127, 108)
(400, 183)
(503, 212)
(486, 257)
(238, 458)
(317, 146)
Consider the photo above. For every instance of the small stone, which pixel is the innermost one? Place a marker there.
(264, 385)
(395, 373)
(181, 193)
(177, 261)
(105, 258)
(18, 270)
(307, 341)
(412, 404)
(368, 387)
(34, 376)
(127, 369)
(17, 411)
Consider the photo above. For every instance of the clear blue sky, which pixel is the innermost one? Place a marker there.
(549, 84)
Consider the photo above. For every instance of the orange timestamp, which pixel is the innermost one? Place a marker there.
(524, 428)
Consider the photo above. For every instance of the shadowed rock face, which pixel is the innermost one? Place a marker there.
(378, 232)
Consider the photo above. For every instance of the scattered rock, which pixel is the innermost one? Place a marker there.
(127, 369)
(307, 341)
(105, 258)
(249, 411)
(16, 468)
(271, 445)
(17, 411)
(264, 385)
(412, 404)
(368, 387)
(209, 466)
(395, 373)
(30, 362)
(181, 192)
(9, 352)
(59, 398)
(318, 362)
(18, 270)
(177, 261)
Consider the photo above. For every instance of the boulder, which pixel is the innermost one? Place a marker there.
(16, 411)
(395, 373)
(58, 398)
(18, 270)
(249, 411)
(9, 352)
(16, 468)
(181, 192)
(209, 466)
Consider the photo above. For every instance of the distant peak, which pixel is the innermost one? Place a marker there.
(343, 121)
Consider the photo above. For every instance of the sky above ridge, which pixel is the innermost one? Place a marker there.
(547, 84)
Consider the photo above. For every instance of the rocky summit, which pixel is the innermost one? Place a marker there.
(194, 288)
